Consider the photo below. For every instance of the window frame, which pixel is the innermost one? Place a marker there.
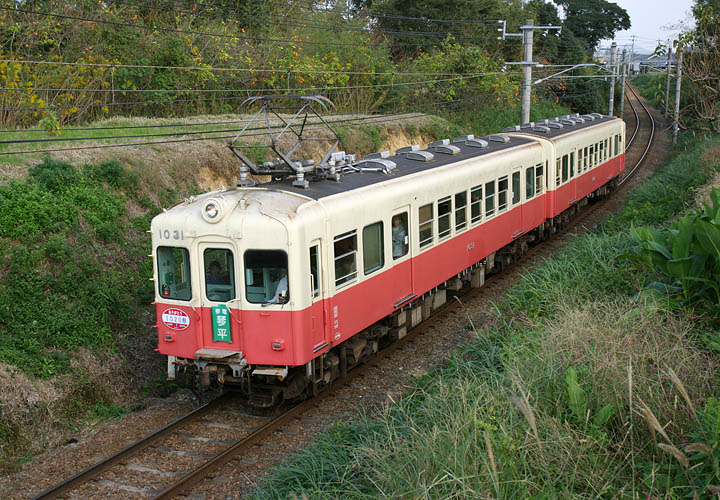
(232, 280)
(502, 193)
(379, 267)
(475, 219)
(245, 280)
(188, 273)
(539, 178)
(516, 193)
(422, 243)
(529, 183)
(461, 226)
(490, 211)
(343, 236)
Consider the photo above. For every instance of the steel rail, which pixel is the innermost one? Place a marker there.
(127, 452)
(650, 140)
(637, 121)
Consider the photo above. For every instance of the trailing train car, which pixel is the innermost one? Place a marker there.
(278, 289)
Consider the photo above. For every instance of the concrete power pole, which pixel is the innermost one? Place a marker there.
(613, 65)
(527, 70)
(676, 120)
(622, 87)
(667, 83)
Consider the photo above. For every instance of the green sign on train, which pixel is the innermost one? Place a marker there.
(221, 324)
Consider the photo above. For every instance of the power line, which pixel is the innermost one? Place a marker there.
(107, 146)
(199, 33)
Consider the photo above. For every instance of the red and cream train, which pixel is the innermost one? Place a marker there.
(278, 289)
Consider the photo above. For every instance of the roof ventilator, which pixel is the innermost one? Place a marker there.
(464, 138)
(381, 154)
(567, 121)
(541, 128)
(375, 165)
(407, 149)
(514, 128)
(499, 138)
(420, 156)
(476, 143)
(598, 115)
(589, 117)
(444, 147)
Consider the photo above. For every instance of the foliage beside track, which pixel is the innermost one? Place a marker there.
(583, 384)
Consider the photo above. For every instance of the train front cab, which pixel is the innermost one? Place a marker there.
(235, 298)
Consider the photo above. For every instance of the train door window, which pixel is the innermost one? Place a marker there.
(529, 183)
(345, 253)
(565, 168)
(425, 225)
(516, 195)
(460, 211)
(400, 237)
(373, 248)
(174, 273)
(266, 277)
(219, 274)
(444, 211)
(558, 169)
(315, 271)
(502, 193)
(538, 178)
(547, 177)
(617, 144)
(572, 164)
(476, 196)
(489, 199)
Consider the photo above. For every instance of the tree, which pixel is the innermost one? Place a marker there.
(593, 20)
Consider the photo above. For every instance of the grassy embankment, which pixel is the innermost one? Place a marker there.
(587, 383)
(74, 288)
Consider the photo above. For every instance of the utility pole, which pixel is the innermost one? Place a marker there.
(611, 104)
(676, 121)
(527, 69)
(622, 89)
(667, 83)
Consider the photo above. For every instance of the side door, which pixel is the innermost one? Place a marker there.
(401, 252)
(318, 313)
(221, 318)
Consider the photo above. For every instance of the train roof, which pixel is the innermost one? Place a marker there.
(404, 166)
(407, 166)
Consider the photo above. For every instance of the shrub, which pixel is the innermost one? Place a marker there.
(54, 175)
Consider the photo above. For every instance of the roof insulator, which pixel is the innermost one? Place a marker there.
(499, 138)
(407, 149)
(420, 156)
(447, 149)
(381, 154)
(476, 143)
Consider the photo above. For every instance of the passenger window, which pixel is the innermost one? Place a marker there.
(585, 159)
(602, 152)
(489, 199)
(266, 277)
(572, 164)
(219, 274)
(373, 248)
(529, 183)
(516, 188)
(591, 157)
(400, 237)
(476, 204)
(460, 211)
(314, 271)
(538, 178)
(502, 193)
(557, 172)
(425, 227)
(607, 153)
(565, 168)
(444, 211)
(596, 156)
(345, 251)
(174, 273)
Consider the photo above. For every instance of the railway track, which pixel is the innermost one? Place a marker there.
(195, 446)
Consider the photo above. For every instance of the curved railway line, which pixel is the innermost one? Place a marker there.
(218, 432)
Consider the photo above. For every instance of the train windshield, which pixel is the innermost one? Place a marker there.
(266, 277)
(174, 273)
(219, 274)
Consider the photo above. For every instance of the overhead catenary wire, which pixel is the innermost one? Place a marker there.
(195, 32)
(173, 141)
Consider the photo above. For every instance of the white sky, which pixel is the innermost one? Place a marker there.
(652, 20)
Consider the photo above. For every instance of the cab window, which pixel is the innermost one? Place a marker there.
(219, 274)
(174, 273)
(266, 277)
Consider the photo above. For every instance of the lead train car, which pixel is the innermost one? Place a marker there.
(279, 289)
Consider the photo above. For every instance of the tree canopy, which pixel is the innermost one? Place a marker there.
(593, 20)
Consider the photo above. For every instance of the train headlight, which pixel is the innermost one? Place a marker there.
(212, 211)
